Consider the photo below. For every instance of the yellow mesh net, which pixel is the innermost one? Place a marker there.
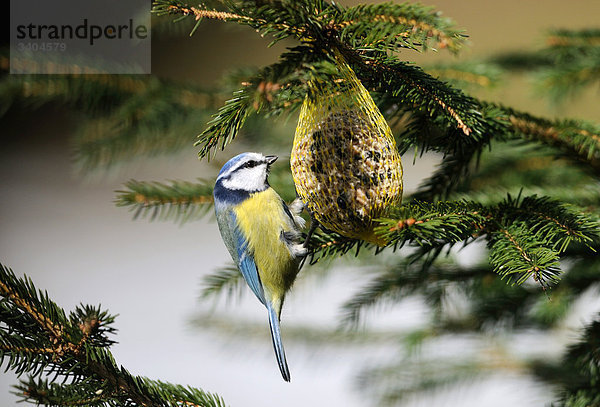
(344, 161)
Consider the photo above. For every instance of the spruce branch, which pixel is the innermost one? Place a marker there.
(93, 93)
(526, 240)
(576, 47)
(126, 116)
(400, 381)
(569, 39)
(490, 300)
(391, 25)
(461, 154)
(226, 280)
(585, 195)
(404, 378)
(178, 200)
(381, 26)
(408, 277)
(184, 201)
(515, 165)
(467, 74)
(223, 128)
(567, 65)
(105, 142)
(518, 257)
(273, 89)
(37, 336)
(266, 19)
(525, 236)
(521, 61)
(584, 356)
(416, 90)
(450, 173)
(326, 243)
(577, 372)
(241, 330)
(548, 221)
(97, 94)
(425, 224)
(316, 23)
(577, 139)
(562, 46)
(565, 80)
(462, 125)
(441, 119)
(43, 392)
(466, 126)
(162, 8)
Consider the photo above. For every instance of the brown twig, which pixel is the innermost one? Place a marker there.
(156, 200)
(205, 13)
(444, 40)
(534, 270)
(55, 331)
(62, 347)
(552, 136)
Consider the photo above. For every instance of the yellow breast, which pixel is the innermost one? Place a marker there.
(261, 219)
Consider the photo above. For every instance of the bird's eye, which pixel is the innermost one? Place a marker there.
(250, 164)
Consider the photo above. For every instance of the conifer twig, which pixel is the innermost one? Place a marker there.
(179, 200)
(36, 336)
(200, 13)
(569, 136)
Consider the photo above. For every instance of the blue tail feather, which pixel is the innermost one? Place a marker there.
(277, 344)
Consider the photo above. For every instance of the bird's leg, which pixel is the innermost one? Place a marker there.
(314, 224)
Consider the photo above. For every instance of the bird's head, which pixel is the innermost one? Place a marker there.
(246, 172)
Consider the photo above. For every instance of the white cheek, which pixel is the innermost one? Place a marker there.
(247, 179)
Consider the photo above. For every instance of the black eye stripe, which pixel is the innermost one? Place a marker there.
(250, 164)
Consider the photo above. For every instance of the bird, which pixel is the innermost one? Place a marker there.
(262, 234)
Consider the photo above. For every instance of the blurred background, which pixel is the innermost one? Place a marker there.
(60, 226)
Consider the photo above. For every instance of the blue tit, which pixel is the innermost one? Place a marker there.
(261, 233)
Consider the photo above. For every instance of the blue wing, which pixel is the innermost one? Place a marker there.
(238, 246)
(246, 262)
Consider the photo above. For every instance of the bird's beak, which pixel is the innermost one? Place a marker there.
(271, 159)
